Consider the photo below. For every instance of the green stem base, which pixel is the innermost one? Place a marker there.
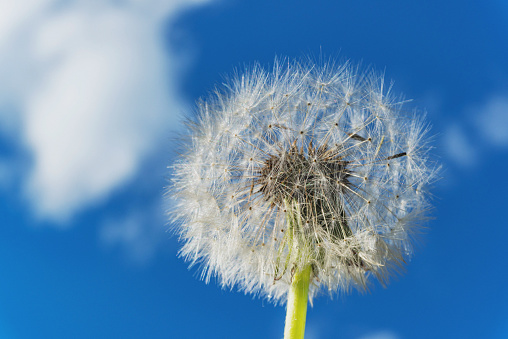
(296, 313)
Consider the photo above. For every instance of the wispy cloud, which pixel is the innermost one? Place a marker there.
(492, 120)
(380, 335)
(137, 234)
(459, 146)
(483, 129)
(89, 88)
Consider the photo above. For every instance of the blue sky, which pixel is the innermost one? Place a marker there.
(91, 95)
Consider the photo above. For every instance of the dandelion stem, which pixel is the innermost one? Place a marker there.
(296, 312)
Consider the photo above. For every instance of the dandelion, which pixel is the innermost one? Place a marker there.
(308, 178)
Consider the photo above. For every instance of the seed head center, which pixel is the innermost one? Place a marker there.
(305, 176)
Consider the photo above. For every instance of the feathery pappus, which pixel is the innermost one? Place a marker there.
(304, 165)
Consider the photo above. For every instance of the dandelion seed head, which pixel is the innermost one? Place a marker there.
(305, 165)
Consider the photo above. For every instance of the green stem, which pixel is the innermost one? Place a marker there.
(297, 304)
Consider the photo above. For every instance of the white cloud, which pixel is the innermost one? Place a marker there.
(492, 119)
(90, 90)
(14, 14)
